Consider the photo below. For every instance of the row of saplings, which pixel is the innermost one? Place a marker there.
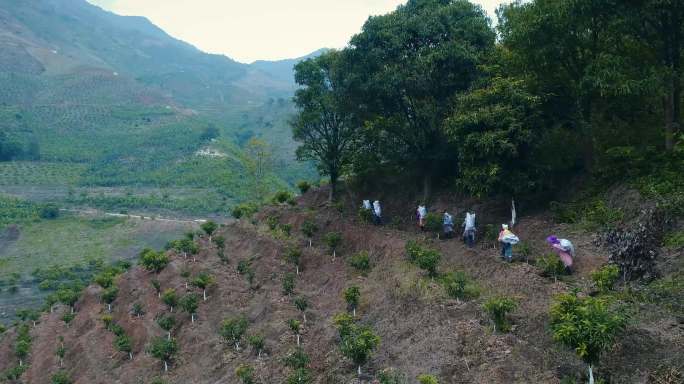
(587, 324)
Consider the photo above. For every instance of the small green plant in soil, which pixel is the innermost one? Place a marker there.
(550, 266)
(352, 296)
(170, 298)
(294, 256)
(309, 228)
(606, 277)
(433, 223)
(257, 342)
(288, 284)
(361, 262)
(391, 376)
(333, 241)
(246, 374)
(189, 304)
(458, 286)
(281, 197)
(587, 325)
(303, 186)
(427, 379)
(61, 377)
(163, 349)
(302, 304)
(498, 309)
(153, 261)
(357, 343)
(233, 329)
(295, 326)
(167, 322)
(365, 215)
(674, 240)
(204, 281)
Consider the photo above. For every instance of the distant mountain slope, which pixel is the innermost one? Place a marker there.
(283, 69)
(135, 104)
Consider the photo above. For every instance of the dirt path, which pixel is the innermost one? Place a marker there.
(93, 212)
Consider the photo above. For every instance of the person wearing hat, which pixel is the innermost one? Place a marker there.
(507, 240)
(564, 249)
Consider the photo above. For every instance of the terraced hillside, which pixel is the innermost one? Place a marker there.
(132, 106)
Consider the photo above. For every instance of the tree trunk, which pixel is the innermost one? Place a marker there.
(586, 130)
(159, 294)
(21, 363)
(297, 270)
(259, 354)
(168, 335)
(130, 356)
(309, 243)
(61, 362)
(205, 295)
(591, 375)
(358, 370)
(354, 311)
(427, 185)
(109, 307)
(298, 339)
(166, 366)
(72, 310)
(192, 318)
(333, 254)
(304, 316)
(333, 186)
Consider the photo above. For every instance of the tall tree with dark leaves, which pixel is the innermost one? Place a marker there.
(325, 131)
(408, 66)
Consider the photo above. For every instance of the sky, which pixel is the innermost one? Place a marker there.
(248, 30)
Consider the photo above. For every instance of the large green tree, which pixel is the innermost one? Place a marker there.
(573, 52)
(323, 125)
(408, 65)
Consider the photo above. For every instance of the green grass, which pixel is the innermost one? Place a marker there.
(71, 240)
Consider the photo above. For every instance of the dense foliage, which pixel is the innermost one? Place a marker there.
(427, 93)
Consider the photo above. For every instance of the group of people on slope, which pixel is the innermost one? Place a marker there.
(448, 224)
(563, 247)
(375, 209)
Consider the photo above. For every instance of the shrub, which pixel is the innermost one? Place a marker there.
(296, 359)
(169, 298)
(550, 266)
(309, 228)
(427, 379)
(67, 318)
(61, 377)
(137, 310)
(458, 286)
(153, 261)
(433, 223)
(333, 240)
(358, 344)
(245, 373)
(606, 277)
(352, 296)
(498, 309)
(233, 329)
(163, 349)
(257, 342)
(413, 249)
(209, 228)
(303, 186)
(272, 222)
(49, 212)
(293, 255)
(587, 325)
(244, 210)
(288, 284)
(366, 215)
(281, 197)
(299, 376)
(390, 376)
(286, 229)
(361, 261)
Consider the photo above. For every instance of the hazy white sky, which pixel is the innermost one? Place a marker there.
(248, 30)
